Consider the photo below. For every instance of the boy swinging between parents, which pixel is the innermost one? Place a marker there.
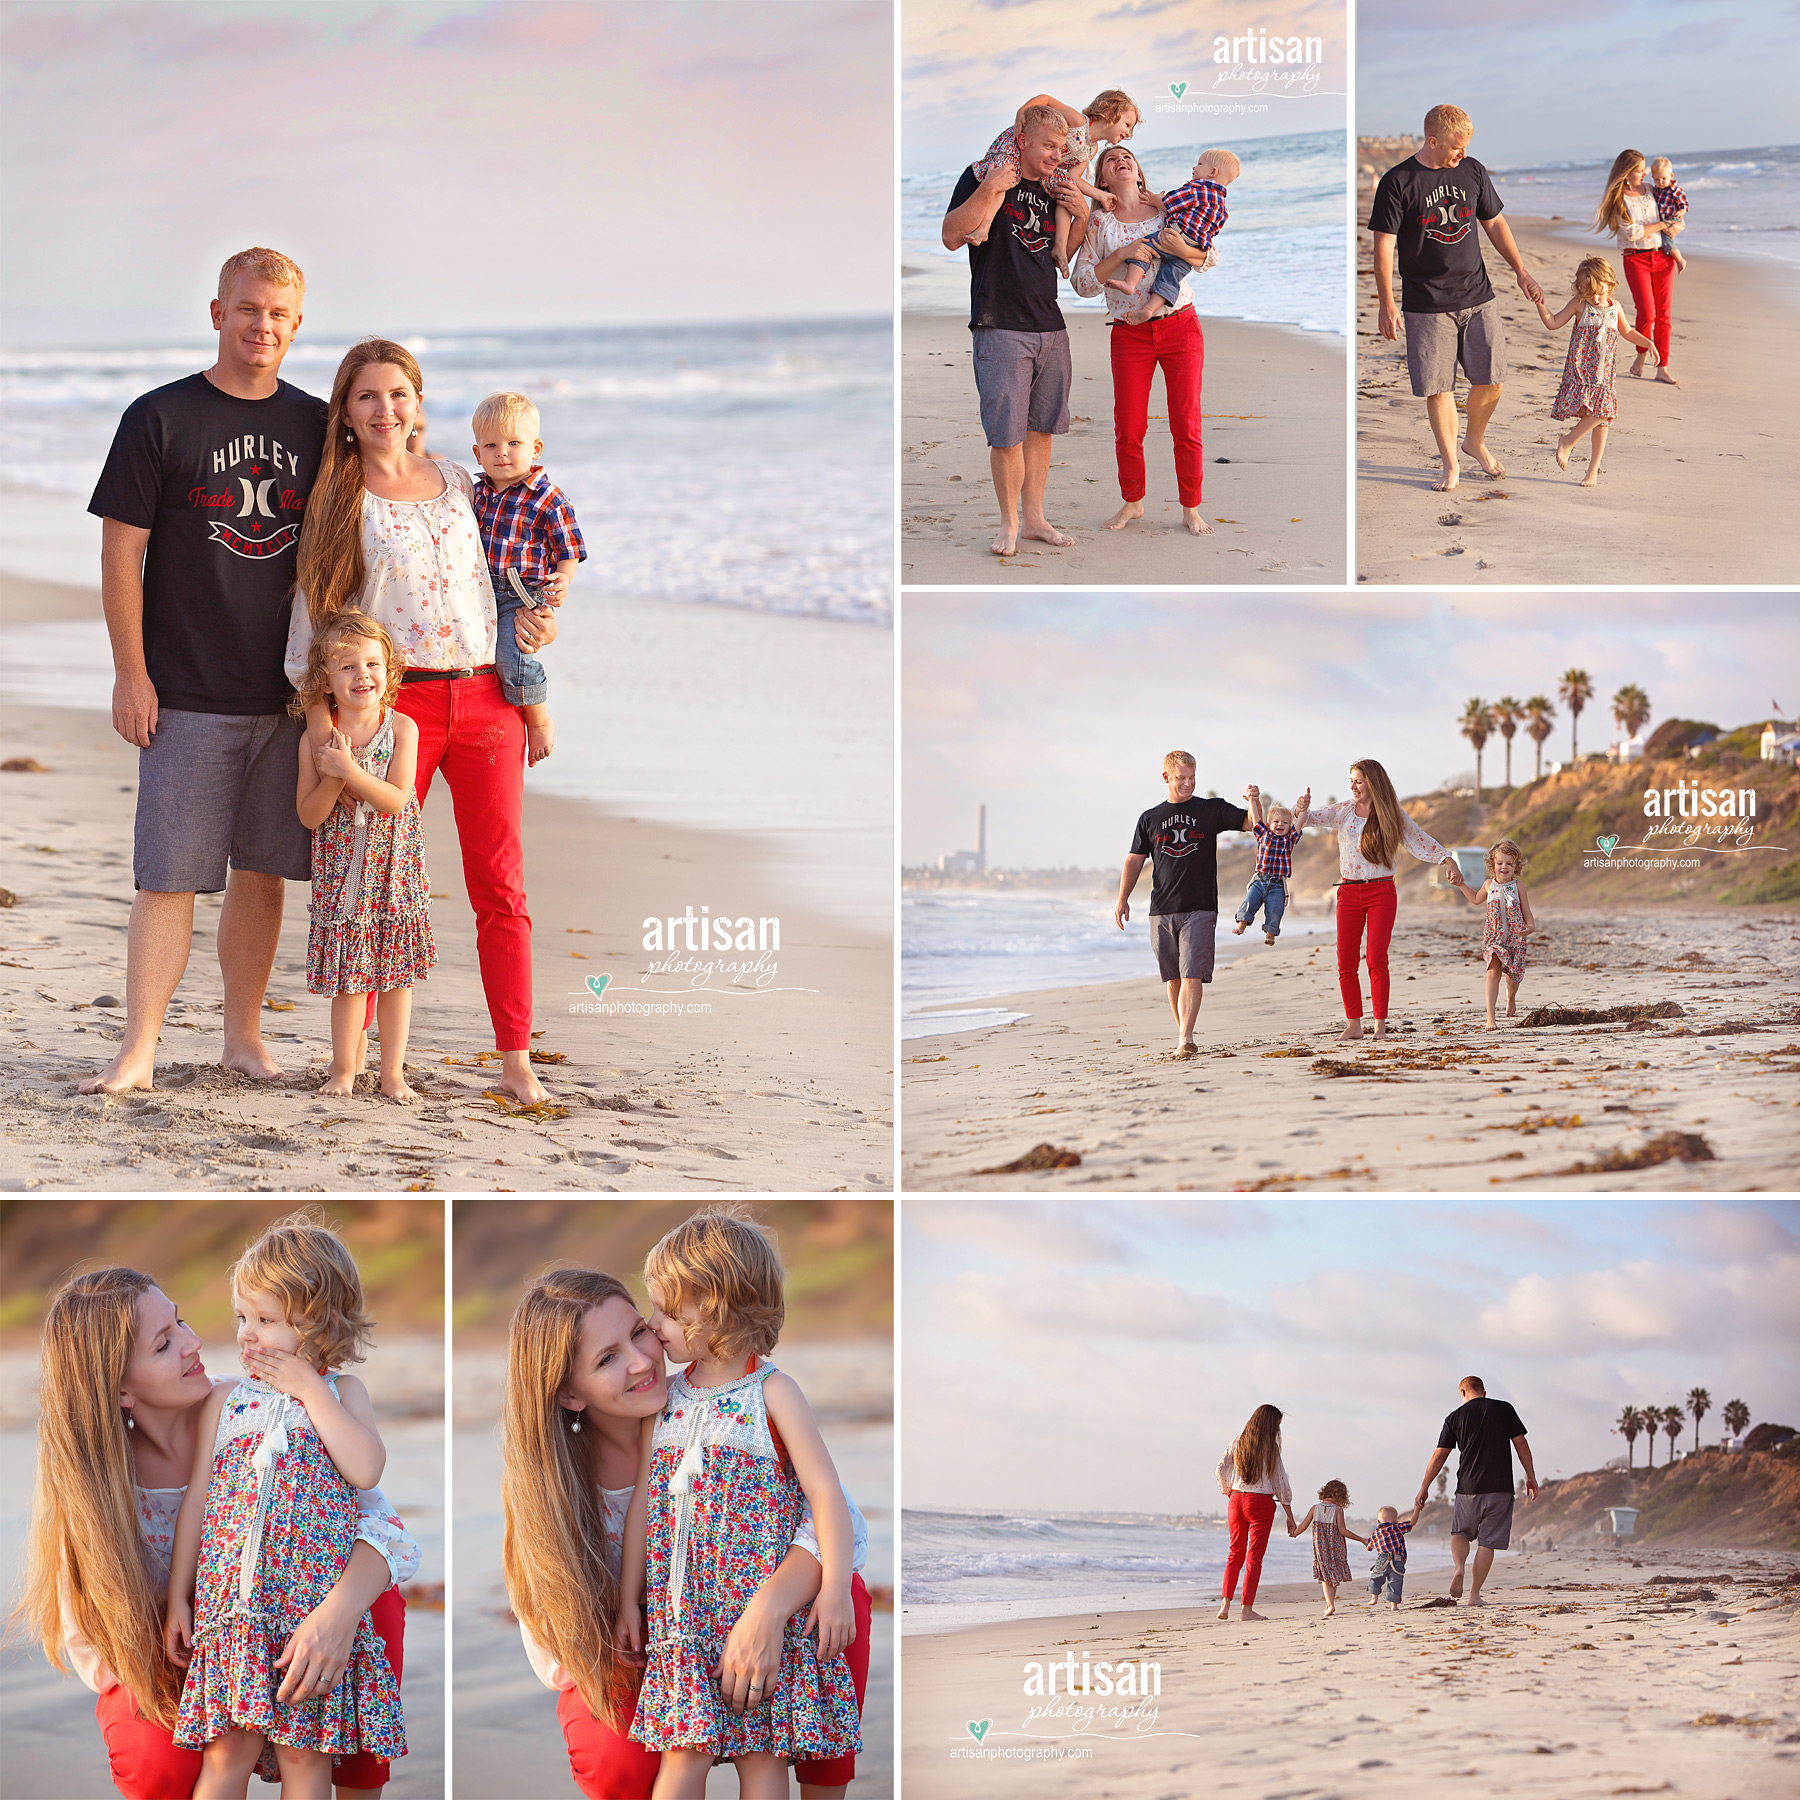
(1181, 837)
(1429, 207)
(1486, 1432)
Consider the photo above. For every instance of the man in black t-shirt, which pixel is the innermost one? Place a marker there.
(1428, 208)
(1486, 1433)
(1181, 840)
(201, 501)
(1021, 344)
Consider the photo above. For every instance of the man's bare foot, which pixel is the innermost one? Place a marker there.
(396, 1088)
(1447, 480)
(1248, 1614)
(1007, 541)
(1190, 517)
(1046, 533)
(1456, 1585)
(1351, 1032)
(540, 740)
(1563, 453)
(1225, 1610)
(123, 1074)
(1132, 509)
(339, 1086)
(1240, 928)
(1490, 463)
(518, 1078)
(253, 1060)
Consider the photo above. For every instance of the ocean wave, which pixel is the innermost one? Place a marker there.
(946, 1566)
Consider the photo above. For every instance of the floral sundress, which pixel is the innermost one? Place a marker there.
(281, 1522)
(1331, 1561)
(724, 1504)
(1587, 383)
(1505, 933)
(371, 901)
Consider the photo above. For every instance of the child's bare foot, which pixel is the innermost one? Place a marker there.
(1374, 1599)
(1268, 937)
(397, 1089)
(1490, 463)
(540, 740)
(1351, 1032)
(1330, 1609)
(1564, 450)
(1448, 478)
(340, 1085)
(1393, 1606)
(1240, 928)
(1132, 509)
(1490, 1025)
(1591, 479)
(1190, 517)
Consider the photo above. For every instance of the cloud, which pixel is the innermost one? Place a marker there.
(1069, 1307)
(1040, 1228)
(1718, 1232)
(1505, 1225)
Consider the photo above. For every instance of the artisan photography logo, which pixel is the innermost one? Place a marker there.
(694, 951)
(1682, 819)
(1070, 1705)
(1259, 65)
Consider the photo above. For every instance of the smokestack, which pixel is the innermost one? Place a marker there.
(981, 839)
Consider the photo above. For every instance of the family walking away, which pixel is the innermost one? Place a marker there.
(1254, 1479)
(679, 1550)
(254, 1503)
(354, 587)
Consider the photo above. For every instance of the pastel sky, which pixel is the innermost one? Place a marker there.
(1095, 1355)
(443, 164)
(967, 65)
(1548, 80)
(1055, 711)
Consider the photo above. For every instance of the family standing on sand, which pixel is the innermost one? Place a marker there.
(1180, 838)
(1426, 209)
(1019, 209)
(1253, 1479)
(296, 669)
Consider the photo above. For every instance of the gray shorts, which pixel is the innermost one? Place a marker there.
(1023, 378)
(217, 789)
(1437, 342)
(1184, 944)
(1487, 1518)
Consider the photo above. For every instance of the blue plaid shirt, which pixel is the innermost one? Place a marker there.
(528, 526)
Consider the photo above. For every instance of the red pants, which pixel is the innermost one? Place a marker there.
(607, 1765)
(1250, 1517)
(1374, 902)
(1650, 274)
(1173, 342)
(147, 1763)
(467, 730)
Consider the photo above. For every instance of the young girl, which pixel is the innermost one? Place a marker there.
(1331, 1562)
(268, 1524)
(1586, 394)
(1508, 920)
(371, 919)
(725, 1471)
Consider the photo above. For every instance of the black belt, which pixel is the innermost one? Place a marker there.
(445, 674)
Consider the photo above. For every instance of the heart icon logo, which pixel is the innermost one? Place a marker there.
(1607, 843)
(979, 1731)
(597, 984)
(1178, 88)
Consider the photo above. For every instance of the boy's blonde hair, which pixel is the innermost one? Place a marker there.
(315, 684)
(265, 265)
(1225, 165)
(1386, 1515)
(504, 409)
(1508, 848)
(1594, 279)
(727, 1266)
(302, 1261)
(1271, 808)
(1110, 105)
(1659, 167)
(1181, 757)
(1335, 1491)
(1449, 125)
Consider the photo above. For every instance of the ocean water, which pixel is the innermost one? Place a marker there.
(1281, 257)
(971, 946)
(1740, 202)
(748, 465)
(960, 1568)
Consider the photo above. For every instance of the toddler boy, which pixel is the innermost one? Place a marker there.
(1671, 204)
(1196, 210)
(1387, 1542)
(532, 542)
(1275, 843)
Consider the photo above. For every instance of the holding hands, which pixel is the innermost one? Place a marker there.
(332, 758)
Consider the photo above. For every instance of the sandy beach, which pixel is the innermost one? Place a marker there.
(1442, 1105)
(1692, 482)
(764, 1090)
(1650, 1672)
(1274, 490)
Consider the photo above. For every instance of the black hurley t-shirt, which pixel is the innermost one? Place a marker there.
(221, 485)
(1483, 1430)
(1181, 838)
(1432, 215)
(1012, 277)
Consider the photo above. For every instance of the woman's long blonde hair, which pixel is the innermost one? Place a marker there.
(1258, 1446)
(87, 1564)
(329, 569)
(1384, 831)
(554, 1548)
(1612, 214)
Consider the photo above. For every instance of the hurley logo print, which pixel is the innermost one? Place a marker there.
(978, 1730)
(1178, 88)
(1608, 843)
(597, 983)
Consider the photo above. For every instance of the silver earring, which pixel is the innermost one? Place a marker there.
(575, 1423)
(130, 1423)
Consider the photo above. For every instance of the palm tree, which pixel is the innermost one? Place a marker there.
(1508, 713)
(1699, 1403)
(1575, 690)
(1477, 726)
(1631, 1422)
(1631, 709)
(1737, 1417)
(1540, 720)
(1651, 1416)
(1673, 1418)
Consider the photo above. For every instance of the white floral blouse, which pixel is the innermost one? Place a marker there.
(1105, 234)
(1352, 864)
(427, 581)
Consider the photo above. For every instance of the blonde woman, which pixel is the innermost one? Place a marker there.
(1628, 210)
(122, 1394)
(1252, 1479)
(1372, 830)
(583, 1371)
